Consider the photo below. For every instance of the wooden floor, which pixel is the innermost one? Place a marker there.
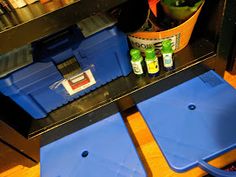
(148, 150)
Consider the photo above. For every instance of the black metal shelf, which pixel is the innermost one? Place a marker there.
(37, 20)
(117, 95)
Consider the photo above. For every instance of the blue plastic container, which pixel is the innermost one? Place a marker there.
(103, 149)
(40, 87)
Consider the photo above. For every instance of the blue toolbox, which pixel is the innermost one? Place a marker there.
(194, 122)
(103, 149)
(66, 66)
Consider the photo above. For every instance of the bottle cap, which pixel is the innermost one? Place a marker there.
(135, 54)
(150, 53)
(166, 46)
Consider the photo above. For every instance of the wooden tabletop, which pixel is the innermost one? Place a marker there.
(151, 156)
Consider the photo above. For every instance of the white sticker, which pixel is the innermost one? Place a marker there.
(79, 82)
(167, 60)
(137, 67)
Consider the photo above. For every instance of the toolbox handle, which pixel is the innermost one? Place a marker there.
(58, 44)
(215, 171)
(61, 38)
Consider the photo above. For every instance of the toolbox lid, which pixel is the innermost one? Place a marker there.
(58, 46)
(96, 23)
(193, 122)
(102, 41)
(103, 149)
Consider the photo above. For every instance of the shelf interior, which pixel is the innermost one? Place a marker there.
(196, 52)
(35, 21)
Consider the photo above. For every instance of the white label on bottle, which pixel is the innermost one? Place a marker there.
(137, 67)
(152, 66)
(167, 60)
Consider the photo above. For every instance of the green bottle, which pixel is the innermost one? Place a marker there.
(167, 55)
(152, 62)
(137, 62)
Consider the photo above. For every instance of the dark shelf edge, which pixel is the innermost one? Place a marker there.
(117, 105)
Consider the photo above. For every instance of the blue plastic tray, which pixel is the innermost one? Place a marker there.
(103, 149)
(194, 122)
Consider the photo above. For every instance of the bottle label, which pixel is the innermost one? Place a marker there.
(137, 67)
(152, 66)
(167, 60)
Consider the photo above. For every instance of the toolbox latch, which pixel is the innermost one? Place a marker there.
(75, 79)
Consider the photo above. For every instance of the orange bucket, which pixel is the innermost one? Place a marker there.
(179, 35)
